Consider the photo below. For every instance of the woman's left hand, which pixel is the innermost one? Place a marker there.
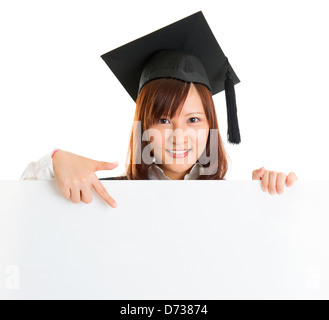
(273, 181)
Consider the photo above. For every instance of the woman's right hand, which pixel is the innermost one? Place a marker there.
(75, 176)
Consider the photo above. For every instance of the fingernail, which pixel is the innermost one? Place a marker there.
(114, 204)
(265, 189)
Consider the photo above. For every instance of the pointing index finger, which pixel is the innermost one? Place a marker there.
(100, 189)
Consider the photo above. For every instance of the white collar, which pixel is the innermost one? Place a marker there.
(156, 173)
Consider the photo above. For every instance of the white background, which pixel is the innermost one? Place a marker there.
(57, 92)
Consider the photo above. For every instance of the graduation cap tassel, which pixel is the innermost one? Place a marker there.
(233, 131)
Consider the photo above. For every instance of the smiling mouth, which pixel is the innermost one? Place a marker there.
(179, 153)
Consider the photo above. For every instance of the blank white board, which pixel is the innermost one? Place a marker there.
(165, 240)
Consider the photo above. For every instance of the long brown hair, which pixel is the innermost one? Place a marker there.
(164, 97)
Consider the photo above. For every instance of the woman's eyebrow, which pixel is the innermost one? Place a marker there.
(188, 114)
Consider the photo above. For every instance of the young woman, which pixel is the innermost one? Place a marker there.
(172, 75)
(164, 105)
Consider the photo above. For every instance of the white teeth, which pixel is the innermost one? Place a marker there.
(178, 152)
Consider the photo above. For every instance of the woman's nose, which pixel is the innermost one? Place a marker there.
(178, 137)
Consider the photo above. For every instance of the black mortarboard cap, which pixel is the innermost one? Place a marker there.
(185, 50)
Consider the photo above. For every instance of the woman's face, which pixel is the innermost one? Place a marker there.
(187, 131)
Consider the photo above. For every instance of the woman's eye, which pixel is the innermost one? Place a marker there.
(163, 119)
(195, 118)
